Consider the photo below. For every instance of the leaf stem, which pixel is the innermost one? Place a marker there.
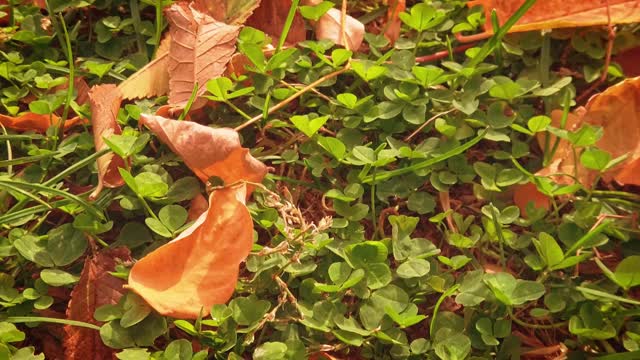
(288, 100)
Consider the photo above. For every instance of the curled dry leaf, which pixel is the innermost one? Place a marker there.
(95, 288)
(105, 103)
(271, 16)
(552, 14)
(35, 122)
(207, 151)
(200, 267)
(617, 111)
(200, 49)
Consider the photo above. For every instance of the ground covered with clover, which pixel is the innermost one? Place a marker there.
(276, 179)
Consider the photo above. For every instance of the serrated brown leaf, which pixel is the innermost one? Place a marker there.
(105, 102)
(207, 151)
(95, 288)
(152, 79)
(552, 14)
(233, 12)
(271, 16)
(200, 49)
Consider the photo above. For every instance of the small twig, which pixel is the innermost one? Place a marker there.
(343, 25)
(288, 100)
(383, 216)
(471, 38)
(434, 117)
(443, 54)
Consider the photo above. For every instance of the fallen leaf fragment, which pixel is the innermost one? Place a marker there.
(207, 151)
(35, 122)
(328, 28)
(234, 12)
(629, 60)
(552, 14)
(95, 288)
(198, 269)
(617, 111)
(392, 31)
(271, 16)
(523, 194)
(151, 80)
(105, 103)
(197, 207)
(200, 49)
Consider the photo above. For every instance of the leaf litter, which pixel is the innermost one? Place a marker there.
(200, 267)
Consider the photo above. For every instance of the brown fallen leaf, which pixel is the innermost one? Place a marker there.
(392, 30)
(617, 111)
(629, 60)
(105, 103)
(271, 16)
(552, 14)
(207, 151)
(234, 12)
(200, 49)
(198, 269)
(329, 27)
(95, 288)
(80, 87)
(197, 207)
(152, 79)
(35, 122)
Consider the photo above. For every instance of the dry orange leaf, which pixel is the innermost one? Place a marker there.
(552, 14)
(200, 49)
(198, 269)
(35, 122)
(207, 151)
(197, 207)
(617, 111)
(95, 288)
(392, 30)
(270, 17)
(105, 103)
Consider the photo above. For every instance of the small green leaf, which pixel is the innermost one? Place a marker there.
(56, 277)
(307, 125)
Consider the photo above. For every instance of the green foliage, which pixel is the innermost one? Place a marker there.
(395, 235)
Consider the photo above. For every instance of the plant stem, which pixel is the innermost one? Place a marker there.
(287, 25)
(30, 319)
(159, 20)
(536, 326)
(288, 100)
